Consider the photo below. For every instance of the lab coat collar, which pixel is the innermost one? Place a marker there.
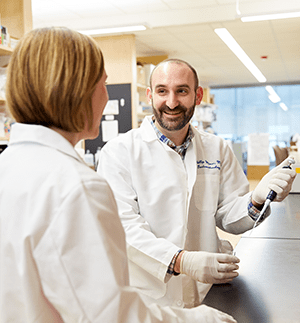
(29, 133)
(199, 135)
(148, 133)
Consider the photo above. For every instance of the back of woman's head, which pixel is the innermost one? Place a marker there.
(51, 77)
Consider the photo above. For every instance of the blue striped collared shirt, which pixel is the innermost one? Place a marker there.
(181, 150)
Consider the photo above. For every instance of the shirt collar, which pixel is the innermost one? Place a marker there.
(181, 150)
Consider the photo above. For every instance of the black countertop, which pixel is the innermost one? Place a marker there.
(268, 286)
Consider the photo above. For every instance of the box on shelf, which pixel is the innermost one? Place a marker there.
(4, 39)
(296, 183)
(257, 172)
(148, 70)
(141, 75)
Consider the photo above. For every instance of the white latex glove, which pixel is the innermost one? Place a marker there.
(209, 268)
(279, 180)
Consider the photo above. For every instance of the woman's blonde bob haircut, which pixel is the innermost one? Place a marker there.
(51, 77)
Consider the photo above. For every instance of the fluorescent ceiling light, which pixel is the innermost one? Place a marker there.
(273, 95)
(271, 16)
(224, 34)
(112, 30)
(283, 106)
(274, 98)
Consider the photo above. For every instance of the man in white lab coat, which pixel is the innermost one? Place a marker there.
(62, 246)
(173, 185)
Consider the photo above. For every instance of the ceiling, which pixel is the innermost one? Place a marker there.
(185, 29)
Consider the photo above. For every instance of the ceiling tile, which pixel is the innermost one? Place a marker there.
(176, 4)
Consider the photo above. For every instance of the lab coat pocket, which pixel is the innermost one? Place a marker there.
(206, 191)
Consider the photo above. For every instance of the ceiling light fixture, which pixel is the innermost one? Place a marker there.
(224, 34)
(283, 106)
(273, 95)
(113, 30)
(271, 16)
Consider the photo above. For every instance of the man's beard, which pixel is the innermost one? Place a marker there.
(177, 123)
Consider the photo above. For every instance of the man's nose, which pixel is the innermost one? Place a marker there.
(172, 100)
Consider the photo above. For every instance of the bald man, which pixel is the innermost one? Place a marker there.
(173, 186)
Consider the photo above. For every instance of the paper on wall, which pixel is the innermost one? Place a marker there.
(258, 149)
(110, 129)
(112, 107)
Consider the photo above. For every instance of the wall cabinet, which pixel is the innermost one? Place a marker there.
(143, 107)
(143, 76)
(16, 15)
(4, 51)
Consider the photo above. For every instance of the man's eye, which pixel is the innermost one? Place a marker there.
(182, 91)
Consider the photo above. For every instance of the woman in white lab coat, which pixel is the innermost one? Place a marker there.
(62, 247)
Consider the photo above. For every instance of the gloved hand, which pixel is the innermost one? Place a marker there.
(209, 268)
(279, 180)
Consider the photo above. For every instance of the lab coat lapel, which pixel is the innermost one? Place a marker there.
(190, 164)
(147, 131)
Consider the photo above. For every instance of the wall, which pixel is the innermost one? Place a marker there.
(120, 64)
(16, 15)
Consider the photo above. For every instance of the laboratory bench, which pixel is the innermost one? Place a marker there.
(267, 289)
(283, 223)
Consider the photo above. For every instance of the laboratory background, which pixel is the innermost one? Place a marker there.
(247, 57)
(246, 54)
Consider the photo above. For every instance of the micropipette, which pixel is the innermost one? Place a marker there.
(271, 196)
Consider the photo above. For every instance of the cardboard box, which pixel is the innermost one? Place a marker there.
(257, 172)
(296, 183)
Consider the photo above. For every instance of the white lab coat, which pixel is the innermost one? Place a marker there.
(166, 204)
(62, 246)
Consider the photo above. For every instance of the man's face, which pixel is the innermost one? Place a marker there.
(173, 96)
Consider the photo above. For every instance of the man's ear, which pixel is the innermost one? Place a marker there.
(149, 95)
(199, 95)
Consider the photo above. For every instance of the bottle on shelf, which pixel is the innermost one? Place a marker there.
(89, 159)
